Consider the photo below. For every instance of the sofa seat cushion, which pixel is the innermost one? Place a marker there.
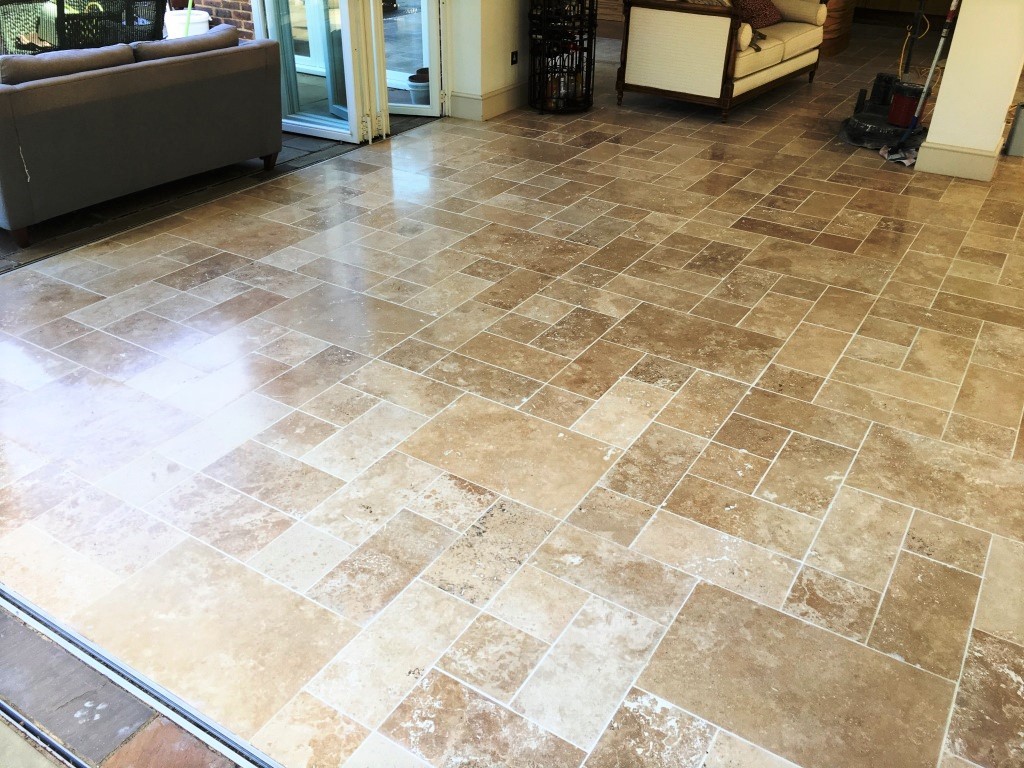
(18, 68)
(796, 36)
(750, 61)
(221, 36)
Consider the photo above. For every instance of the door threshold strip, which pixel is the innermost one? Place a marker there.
(37, 736)
(155, 696)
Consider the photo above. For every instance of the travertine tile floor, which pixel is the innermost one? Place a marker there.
(629, 438)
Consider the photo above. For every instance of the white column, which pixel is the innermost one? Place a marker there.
(982, 70)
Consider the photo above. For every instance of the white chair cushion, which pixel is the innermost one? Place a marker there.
(808, 11)
(744, 36)
(796, 36)
(750, 61)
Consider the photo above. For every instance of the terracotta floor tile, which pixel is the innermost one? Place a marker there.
(534, 462)
(648, 732)
(877, 709)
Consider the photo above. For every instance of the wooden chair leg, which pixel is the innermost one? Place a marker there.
(269, 161)
(21, 237)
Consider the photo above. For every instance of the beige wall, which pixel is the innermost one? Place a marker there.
(484, 33)
(984, 64)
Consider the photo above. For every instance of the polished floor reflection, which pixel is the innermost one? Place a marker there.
(622, 439)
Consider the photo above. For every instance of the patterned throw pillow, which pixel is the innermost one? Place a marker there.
(758, 13)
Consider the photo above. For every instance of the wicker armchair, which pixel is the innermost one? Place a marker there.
(78, 23)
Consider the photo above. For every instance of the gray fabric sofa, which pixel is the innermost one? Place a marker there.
(81, 127)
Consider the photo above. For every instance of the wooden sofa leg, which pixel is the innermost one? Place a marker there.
(269, 161)
(21, 237)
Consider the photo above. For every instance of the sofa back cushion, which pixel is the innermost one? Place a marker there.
(19, 68)
(221, 36)
(758, 13)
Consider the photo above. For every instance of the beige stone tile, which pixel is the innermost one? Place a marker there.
(25, 366)
(368, 579)
(556, 405)
(997, 347)
(964, 486)
(939, 355)
(379, 752)
(833, 603)
(144, 479)
(860, 538)
(806, 475)
(340, 404)
(622, 412)
(571, 335)
(525, 249)
(51, 574)
(281, 481)
(375, 671)
(513, 356)
(614, 573)
(36, 492)
(479, 563)
(300, 556)
(654, 463)
(367, 439)
(538, 603)
(732, 467)
(661, 372)
(313, 376)
(717, 557)
(703, 404)
(926, 615)
(484, 379)
(494, 657)
(309, 734)
(402, 387)
(751, 436)
(1001, 606)
(908, 386)
(251, 643)
(221, 516)
(581, 681)
(992, 395)
(595, 371)
(728, 751)
(814, 263)
(648, 732)
(373, 498)
(948, 542)
(445, 722)
(453, 502)
(611, 516)
(985, 723)
(534, 462)
(840, 309)
(296, 434)
(812, 420)
(881, 408)
(738, 514)
(33, 299)
(879, 711)
(350, 320)
(692, 341)
(813, 349)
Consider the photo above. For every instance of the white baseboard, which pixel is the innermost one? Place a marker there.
(472, 107)
(965, 162)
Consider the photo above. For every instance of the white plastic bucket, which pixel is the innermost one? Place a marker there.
(419, 89)
(175, 21)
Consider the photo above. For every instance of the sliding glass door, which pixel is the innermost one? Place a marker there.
(347, 64)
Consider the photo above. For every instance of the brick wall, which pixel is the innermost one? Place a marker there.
(235, 12)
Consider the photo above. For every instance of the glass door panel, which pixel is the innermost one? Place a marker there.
(412, 53)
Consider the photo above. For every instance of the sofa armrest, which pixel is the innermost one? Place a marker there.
(15, 201)
(744, 37)
(807, 11)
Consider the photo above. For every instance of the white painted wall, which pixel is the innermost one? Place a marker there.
(483, 35)
(982, 69)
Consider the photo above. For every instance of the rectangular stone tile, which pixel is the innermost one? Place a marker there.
(743, 516)
(926, 615)
(622, 412)
(71, 701)
(518, 358)
(362, 584)
(693, 341)
(992, 395)
(813, 349)
(402, 387)
(717, 557)
(885, 409)
(985, 727)
(611, 516)
(281, 481)
(313, 376)
(648, 732)
(340, 405)
(350, 320)
(581, 681)
(479, 563)
(527, 250)
(730, 751)
(375, 671)
(484, 379)
(493, 656)
(571, 335)
(251, 643)
(800, 691)
(595, 371)
(432, 720)
(512, 453)
(952, 320)
(308, 731)
(234, 311)
(962, 485)
(614, 573)
(803, 417)
(357, 511)
(364, 441)
(653, 197)
(703, 404)
(1001, 606)
(654, 463)
(300, 556)
(737, 469)
(948, 542)
(909, 386)
(821, 264)
(939, 355)
(32, 299)
(842, 606)
(806, 475)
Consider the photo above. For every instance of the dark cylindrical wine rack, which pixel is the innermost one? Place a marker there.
(562, 38)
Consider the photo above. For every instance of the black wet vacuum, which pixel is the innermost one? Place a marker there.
(889, 120)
